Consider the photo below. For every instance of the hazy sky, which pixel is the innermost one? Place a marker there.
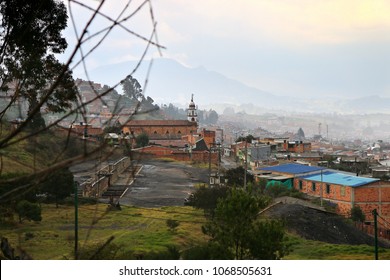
(288, 47)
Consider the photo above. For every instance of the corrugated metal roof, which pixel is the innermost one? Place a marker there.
(292, 168)
(340, 179)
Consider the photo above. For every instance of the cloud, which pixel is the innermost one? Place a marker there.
(294, 22)
(284, 46)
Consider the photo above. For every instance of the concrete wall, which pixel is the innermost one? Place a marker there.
(195, 156)
(374, 196)
(104, 177)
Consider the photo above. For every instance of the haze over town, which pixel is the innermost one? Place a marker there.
(326, 58)
(290, 48)
(190, 130)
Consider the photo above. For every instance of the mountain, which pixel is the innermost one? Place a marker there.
(369, 104)
(172, 82)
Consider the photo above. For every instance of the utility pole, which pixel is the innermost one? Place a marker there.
(375, 213)
(246, 162)
(321, 190)
(219, 158)
(210, 166)
(76, 222)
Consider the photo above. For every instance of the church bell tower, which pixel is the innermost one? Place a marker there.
(192, 115)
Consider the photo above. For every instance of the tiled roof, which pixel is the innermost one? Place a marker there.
(160, 123)
(292, 168)
(340, 179)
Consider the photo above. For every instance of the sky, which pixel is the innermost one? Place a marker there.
(305, 48)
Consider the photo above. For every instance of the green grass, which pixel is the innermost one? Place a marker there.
(133, 229)
(303, 249)
(143, 230)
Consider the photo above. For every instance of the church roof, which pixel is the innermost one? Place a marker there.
(159, 123)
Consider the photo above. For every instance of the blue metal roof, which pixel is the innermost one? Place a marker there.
(293, 168)
(340, 179)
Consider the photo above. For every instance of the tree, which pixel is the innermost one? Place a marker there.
(266, 240)
(30, 39)
(30, 34)
(58, 185)
(236, 175)
(132, 88)
(142, 140)
(28, 210)
(207, 198)
(247, 138)
(235, 221)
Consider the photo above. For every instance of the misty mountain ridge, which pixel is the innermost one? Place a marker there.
(172, 82)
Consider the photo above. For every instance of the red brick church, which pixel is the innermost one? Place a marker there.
(168, 130)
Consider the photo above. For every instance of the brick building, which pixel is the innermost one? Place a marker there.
(342, 189)
(165, 129)
(160, 129)
(347, 191)
(207, 135)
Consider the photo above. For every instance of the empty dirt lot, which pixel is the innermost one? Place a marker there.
(163, 183)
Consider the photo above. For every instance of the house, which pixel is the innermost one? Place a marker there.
(258, 153)
(285, 173)
(345, 190)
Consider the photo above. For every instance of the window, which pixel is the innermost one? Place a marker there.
(342, 191)
(155, 132)
(313, 187)
(167, 132)
(327, 188)
(179, 132)
(300, 184)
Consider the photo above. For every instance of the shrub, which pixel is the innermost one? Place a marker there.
(29, 211)
(357, 214)
(172, 224)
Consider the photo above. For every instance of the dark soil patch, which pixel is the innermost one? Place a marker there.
(319, 225)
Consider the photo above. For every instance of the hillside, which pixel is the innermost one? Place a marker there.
(38, 152)
(314, 224)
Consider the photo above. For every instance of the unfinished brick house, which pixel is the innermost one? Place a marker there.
(347, 191)
(344, 190)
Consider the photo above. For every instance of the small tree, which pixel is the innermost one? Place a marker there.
(29, 211)
(235, 176)
(58, 185)
(234, 223)
(267, 240)
(142, 140)
(357, 214)
(207, 198)
(172, 224)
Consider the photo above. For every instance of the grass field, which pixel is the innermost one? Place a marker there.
(140, 230)
(134, 229)
(303, 249)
